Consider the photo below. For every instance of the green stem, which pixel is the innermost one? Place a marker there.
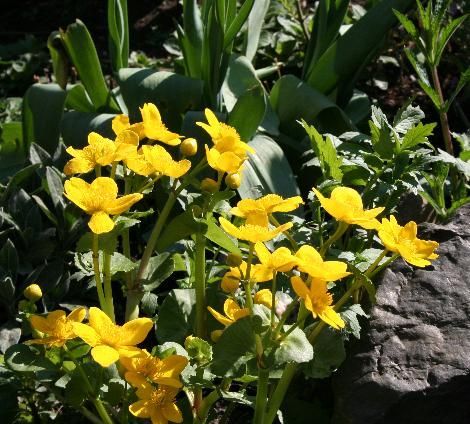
(340, 230)
(385, 264)
(200, 284)
(442, 114)
(279, 393)
(376, 262)
(289, 237)
(108, 290)
(132, 306)
(261, 396)
(249, 298)
(273, 303)
(113, 170)
(93, 397)
(96, 269)
(206, 405)
(283, 318)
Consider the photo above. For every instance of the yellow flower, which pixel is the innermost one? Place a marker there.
(152, 159)
(258, 274)
(345, 204)
(310, 262)
(162, 161)
(232, 311)
(33, 292)
(281, 260)
(317, 300)
(161, 371)
(253, 233)
(101, 151)
(110, 341)
(57, 326)
(264, 297)
(403, 240)
(257, 211)
(223, 162)
(154, 128)
(121, 123)
(229, 152)
(99, 199)
(158, 404)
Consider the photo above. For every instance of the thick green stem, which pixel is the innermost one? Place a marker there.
(261, 396)
(279, 393)
(249, 298)
(200, 284)
(340, 230)
(132, 303)
(289, 237)
(376, 262)
(442, 114)
(96, 269)
(93, 397)
(108, 290)
(273, 303)
(385, 264)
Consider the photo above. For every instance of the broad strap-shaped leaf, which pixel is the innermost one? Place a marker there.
(82, 53)
(43, 105)
(267, 171)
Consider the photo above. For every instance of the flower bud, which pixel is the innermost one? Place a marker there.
(188, 147)
(234, 260)
(209, 185)
(32, 292)
(233, 181)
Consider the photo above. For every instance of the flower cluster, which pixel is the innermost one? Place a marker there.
(309, 272)
(156, 380)
(100, 198)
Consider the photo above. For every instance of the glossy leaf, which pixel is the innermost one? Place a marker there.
(82, 53)
(172, 93)
(267, 171)
(43, 105)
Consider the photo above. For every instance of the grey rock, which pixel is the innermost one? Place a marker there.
(412, 364)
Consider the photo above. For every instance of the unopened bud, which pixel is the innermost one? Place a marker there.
(234, 260)
(32, 292)
(188, 147)
(209, 185)
(233, 181)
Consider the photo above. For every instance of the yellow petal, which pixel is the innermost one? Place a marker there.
(86, 333)
(77, 315)
(260, 273)
(78, 166)
(157, 417)
(106, 188)
(140, 166)
(231, 308)
(120, 123)
(332, 318)
(100, 223)
(77, 191)
(135, 331)
(299, 286)
(135, 379)
(123, 204)
(172, 413)
(99, 321)
(140, 409)
(264, 297)
(40, 324)
(219, 317)
(104, 355)
(264, 255)
(229, 162)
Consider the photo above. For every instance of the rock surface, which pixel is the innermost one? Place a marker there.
(412, 364)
